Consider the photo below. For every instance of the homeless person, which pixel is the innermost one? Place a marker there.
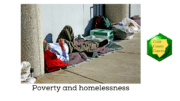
(68, 36)
(65, 44)
(60, 49)
(56, 54)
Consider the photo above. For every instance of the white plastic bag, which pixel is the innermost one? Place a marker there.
(31, 80)
(130, 28)
(128, 25)
(25, 73)
(25, 67)
(24, 76)
(25, 70)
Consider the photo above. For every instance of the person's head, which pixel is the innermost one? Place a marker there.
(46, 46)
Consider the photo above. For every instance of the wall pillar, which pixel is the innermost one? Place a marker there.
(31, 37)
(116, 12)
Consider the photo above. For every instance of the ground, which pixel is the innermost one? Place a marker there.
(123, 66)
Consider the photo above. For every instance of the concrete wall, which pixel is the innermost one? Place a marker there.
(31, 37)
(56, 16)
(135, 9)
(116, 12)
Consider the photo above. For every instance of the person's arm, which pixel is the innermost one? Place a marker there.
(64, 54)
(44, 42)
(61, 54)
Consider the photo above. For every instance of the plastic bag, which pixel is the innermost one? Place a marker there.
(25, 66)
(31, 80)
(128, 25)
(25, 73)
(24, 76)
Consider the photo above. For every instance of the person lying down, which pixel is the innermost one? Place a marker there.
(60, 49)
(65, 44)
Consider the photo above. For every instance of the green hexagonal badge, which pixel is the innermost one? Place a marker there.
(159, 47)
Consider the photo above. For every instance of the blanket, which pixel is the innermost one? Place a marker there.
(79, 57)
(52, 62)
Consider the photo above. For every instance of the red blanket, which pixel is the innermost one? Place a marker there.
(52, 62)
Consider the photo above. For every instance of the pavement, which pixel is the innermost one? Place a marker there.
(120, 67)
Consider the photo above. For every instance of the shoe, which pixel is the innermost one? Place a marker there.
(104, 42)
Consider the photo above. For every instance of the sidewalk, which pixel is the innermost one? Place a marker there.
(122, 66)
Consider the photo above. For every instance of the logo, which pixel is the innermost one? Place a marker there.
(159, 47)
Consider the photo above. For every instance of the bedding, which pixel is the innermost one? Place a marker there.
(52, 62)
(77, 58)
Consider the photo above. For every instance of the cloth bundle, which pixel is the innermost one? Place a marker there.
(52, 62)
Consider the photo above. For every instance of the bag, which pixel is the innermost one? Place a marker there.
(126, 29)
(119, 34)
(101, 22)
(25, 73)
(130, 26)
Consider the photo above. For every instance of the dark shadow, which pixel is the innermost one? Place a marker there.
(48, 38)
(103, 9)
